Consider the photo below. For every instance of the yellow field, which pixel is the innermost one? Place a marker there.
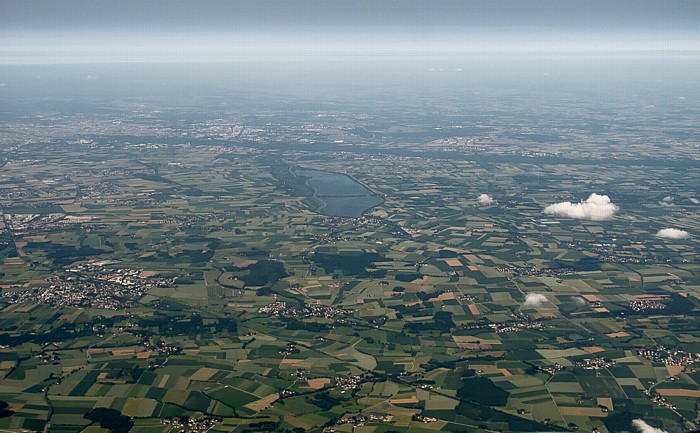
(582, 411)
(203, 374)
(263, 403)
(694, 393)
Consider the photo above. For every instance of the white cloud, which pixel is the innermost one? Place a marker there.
(667, 201)
(643, 427)
(485, 200)
(672, 234)
(596, 208)
(578, 300)
(534, 300)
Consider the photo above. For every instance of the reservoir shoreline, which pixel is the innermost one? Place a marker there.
(339, 194)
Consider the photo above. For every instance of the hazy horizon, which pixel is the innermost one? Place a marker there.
(85, 32)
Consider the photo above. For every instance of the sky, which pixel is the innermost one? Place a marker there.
(99, 31)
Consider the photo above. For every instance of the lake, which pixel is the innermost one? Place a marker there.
(339, 194)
